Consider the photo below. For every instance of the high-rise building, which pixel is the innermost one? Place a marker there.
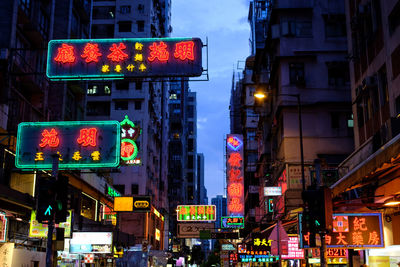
(201, 189)
(144, 102)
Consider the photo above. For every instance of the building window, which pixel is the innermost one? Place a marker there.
(138, 85)
(135, 189)
(297, 28)
(98, 89)
(396, 62)
(383, 85)
(141, 9)
(335, 120)
(125, 9)
(103, 31)
(296, 73)
(120, 188)
(338, 73)
(138, 104)
(394, 18)
(98, 108)
(140, 25)
(122, 85)
(88, 207)
(251, 136)
(121, 105)
(335, 26)
(125, 26)
(43, 23)
(350, 120)
(103, 12)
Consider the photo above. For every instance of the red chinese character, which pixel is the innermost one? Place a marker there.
(340, 239)
(200, 210)
(359, 224)
(183, 211)
(234, 174)
(117, 54)
(235, 205)
(91, 53)
(192, 210)
(210, 210)
(184, 50)
(328, 239)
(87, 137)
(49, 138)
(358, 238)
(373, 238)
(158, 51)
(234, 160)
(307, 238)
(235, 190)
(65, 54)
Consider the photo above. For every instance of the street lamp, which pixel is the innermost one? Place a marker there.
(261, 94)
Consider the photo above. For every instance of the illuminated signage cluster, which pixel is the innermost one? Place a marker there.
(232, 222)
(128, 57)
(353, 230)
(129, 133)
(234, 172)
(190, 213)
(77, 144)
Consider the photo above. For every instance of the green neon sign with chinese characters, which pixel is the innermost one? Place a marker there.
(77, 144)
(112, 192)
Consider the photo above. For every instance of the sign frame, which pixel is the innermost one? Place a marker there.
(214, 208)
(63, 166)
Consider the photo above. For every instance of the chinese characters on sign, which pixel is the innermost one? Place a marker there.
(234, 172)
(129, 133)
(196, 213)
(353, 230)
(117, 58)
(294, 252)
(3, 227)
(77, 144)
(273, 191)
(232, 222)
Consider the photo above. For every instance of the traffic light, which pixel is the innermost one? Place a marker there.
(270, 205)
(61, 207)
(318, 209)
(46, 190)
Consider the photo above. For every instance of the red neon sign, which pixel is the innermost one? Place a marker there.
(87, 137)
(184, 50)
(91, 52)
(127, 149)
(158, 51)
(65, 54)
(117, 54)
(49, 138)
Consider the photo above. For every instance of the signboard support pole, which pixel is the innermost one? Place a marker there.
(323, 251)
(49, 249)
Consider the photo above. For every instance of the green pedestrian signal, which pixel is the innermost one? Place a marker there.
(317, 223)
(48, 210)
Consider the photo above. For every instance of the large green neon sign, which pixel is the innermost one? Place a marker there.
(77, 144)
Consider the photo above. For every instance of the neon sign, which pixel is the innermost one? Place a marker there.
(128, 57)
(351, 230)
(234, 170)
(112, 192)
(77, 144)
(129, 134)
(190, 213)
(232, 222)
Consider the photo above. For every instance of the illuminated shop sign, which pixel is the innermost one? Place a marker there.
(234, 173)
(39, 230)
(3, 227)
(112, 192)
(128, 57)
(134, 203)
(91, 242)
(273, 191)
(190, 213)
(129, 133)
(232, 222)
(294, 252)
(257, 258)
(352, 230)
(78, 144)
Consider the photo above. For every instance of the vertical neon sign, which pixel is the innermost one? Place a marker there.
(234, 173)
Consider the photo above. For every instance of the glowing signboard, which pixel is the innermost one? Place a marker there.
(352, 230)
(3, 227)
(191, 213)
(112, 192)
(128, 57)
(91, 242)
(39, 230)
(129, 133)
(78, 144)
(234, 172)
(273, 191)
(294, 252)
(135, 203)
(232, 222)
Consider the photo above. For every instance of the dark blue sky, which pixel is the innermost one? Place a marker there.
(225, 24)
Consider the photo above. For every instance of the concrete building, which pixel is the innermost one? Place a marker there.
(144, 101)
(369, 175)
(300, 58)
(201, 189)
